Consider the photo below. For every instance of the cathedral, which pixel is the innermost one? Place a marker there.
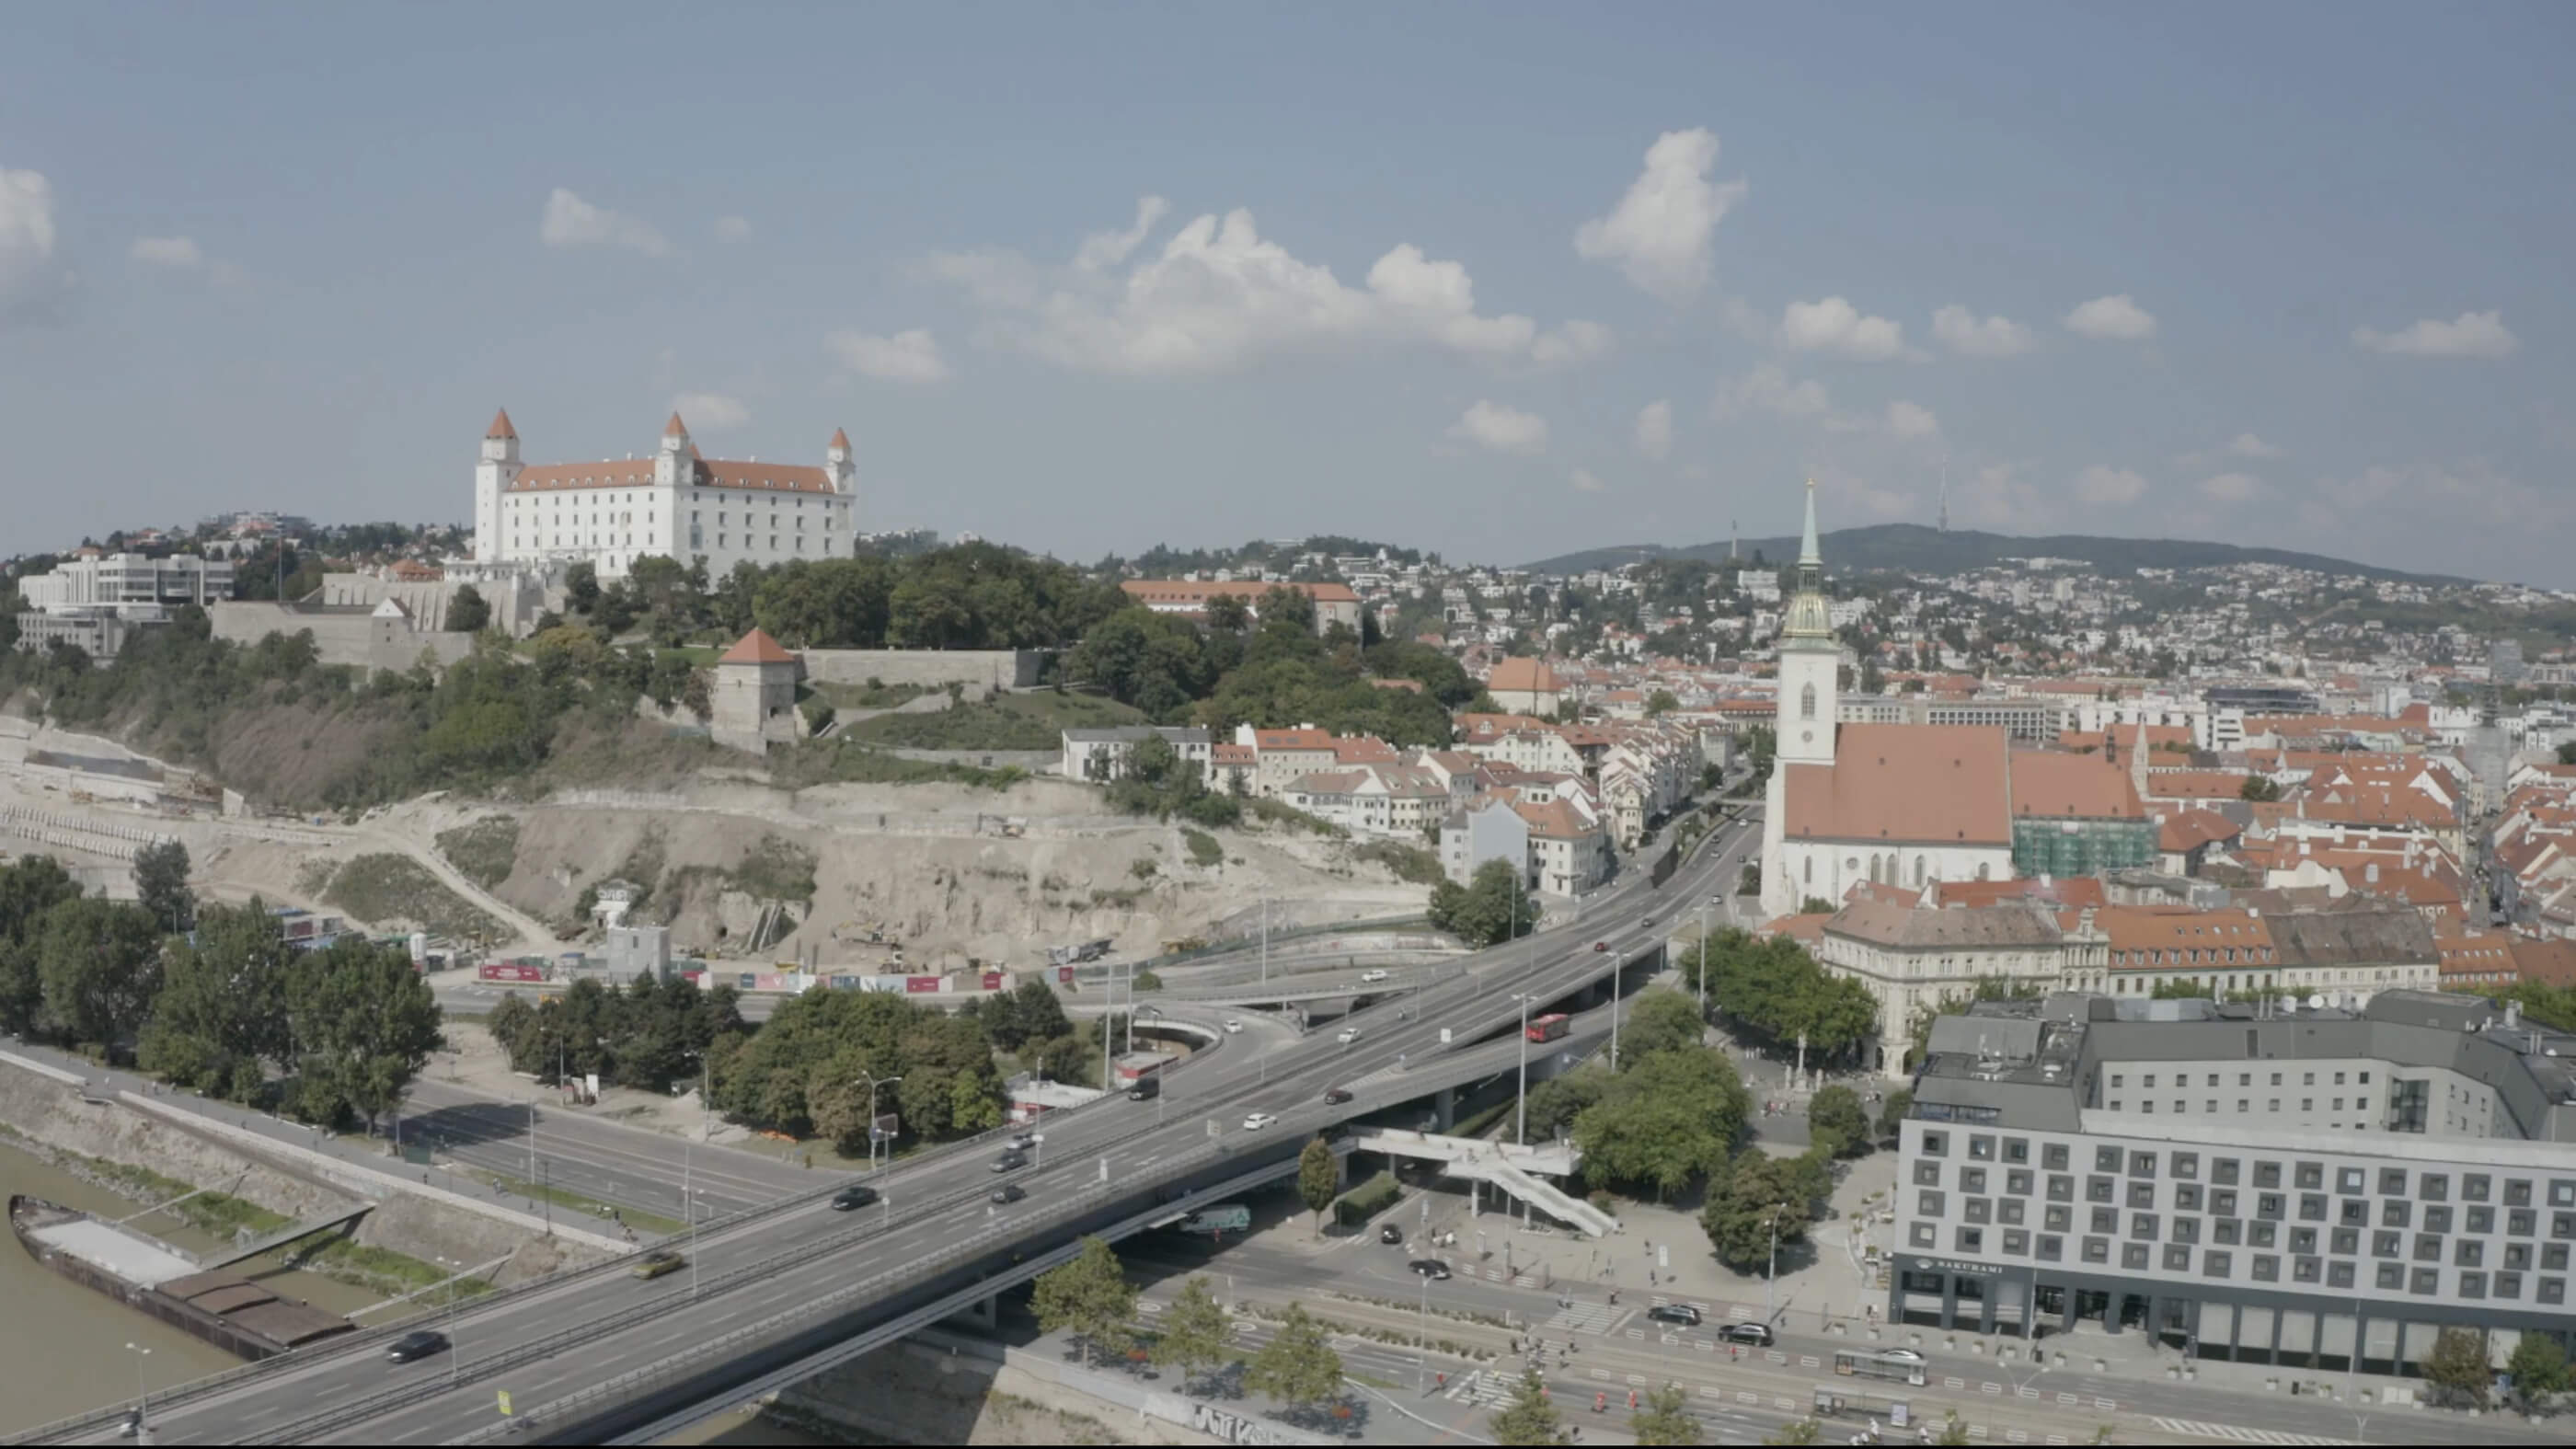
(675, 503)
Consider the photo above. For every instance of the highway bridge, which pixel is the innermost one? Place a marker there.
(778, 1291)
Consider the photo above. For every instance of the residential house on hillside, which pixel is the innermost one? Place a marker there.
(1524, 685)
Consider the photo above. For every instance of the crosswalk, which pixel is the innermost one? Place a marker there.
(2240, 1434)
(1484, 1390)
(1586, 1318)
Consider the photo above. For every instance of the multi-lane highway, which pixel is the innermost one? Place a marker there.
(784, 1286)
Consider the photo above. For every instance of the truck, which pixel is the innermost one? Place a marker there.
(1224, 1217)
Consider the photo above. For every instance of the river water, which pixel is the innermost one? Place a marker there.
(63, 1346)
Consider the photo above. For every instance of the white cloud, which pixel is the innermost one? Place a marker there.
(2246, 445)
(1218, 296)
(572, 222)
(1963, 332)
(1836, 326)
(2112, 319)
(1584, 482)
(1767, 389)
(1662, 232)
(28, 272)
(1105, 249)
(1576, 341)
(911, 356)
(2475, 334)
(1912, 420)
(710, 412)
(2231, 487)
(168, 251)
(1655, 430)
(2107, 487)
(733, 228)
(1500, 429)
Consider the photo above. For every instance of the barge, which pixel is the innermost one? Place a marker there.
(223, 1308)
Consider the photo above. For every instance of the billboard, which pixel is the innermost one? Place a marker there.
(992, 980)
(920, 983)
(1064, 976)
(509, 971)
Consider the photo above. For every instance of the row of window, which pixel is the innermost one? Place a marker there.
(2138, 1257)
(2243, 1079)
(2271, 1107)
(2270, 1212)
(2430, 1186)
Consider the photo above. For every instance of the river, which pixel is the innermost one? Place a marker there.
(63, 1348)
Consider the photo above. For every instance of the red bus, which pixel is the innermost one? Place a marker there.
(1549, 1027)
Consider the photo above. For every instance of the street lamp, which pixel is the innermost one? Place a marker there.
(1771, 1274)
(142, 1395)
(873, 1084)
(1422, 1333)
(689, 1203)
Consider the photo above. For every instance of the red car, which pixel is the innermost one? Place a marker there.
(1600, 945)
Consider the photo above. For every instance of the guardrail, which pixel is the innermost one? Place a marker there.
(1093, 969)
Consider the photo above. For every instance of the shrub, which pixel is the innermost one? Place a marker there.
(1204, 850)
(1368, 1200)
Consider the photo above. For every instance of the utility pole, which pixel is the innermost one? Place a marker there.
(1520, 1108)
(1703, 963)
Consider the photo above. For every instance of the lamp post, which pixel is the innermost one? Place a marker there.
(1265, 941)
(142, 1394)
(689, 1204)
(1422, 1335)
(1520, 1109)
(1771, 1274)
(1703, 965)
(873, 1084)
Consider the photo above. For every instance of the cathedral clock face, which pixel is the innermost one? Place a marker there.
(1806, 737)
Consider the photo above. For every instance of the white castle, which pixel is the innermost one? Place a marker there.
(676, 504)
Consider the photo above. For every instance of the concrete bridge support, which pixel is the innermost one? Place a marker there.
(983, 1315)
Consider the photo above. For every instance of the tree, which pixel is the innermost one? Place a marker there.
(1318, 1179)
(161, 885)
(1529, 1418)
(1493, 906)
(1665, 1417)
(1672, 1117)
(1796, 1431)
(1090, 1298)
(1954, 1430)
(100, 965)
(1892, 1110)
(364, 1023)
(1227, 613)
(222, 1005)
(1836, 1112)
(467, 613)
(1662, 1020)
(2258, 788)
(1661, 702)
(2459, 1365)
(1759, 1194)
(1194, 1331)
(2538, 1366)
(581, 587)
(1296, 1367)
(2567, 752)
(29, 888)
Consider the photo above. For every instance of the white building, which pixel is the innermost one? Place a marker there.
(676, 503)
(96, 601)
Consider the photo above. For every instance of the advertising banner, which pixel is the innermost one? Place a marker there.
(920, 983)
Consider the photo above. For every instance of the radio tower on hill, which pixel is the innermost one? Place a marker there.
(1945, 498)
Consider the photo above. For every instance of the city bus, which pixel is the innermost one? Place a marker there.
(1549, 1027)
(1901, 1366)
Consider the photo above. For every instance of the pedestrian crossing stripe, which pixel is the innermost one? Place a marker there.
(2242, 1435)
(1597, 1318)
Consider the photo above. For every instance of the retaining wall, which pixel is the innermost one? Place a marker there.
(992, 668)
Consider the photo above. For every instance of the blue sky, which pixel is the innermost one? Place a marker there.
(2283, 275)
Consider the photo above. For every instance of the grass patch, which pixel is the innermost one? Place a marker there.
(838, 761)
(653, 1224)
(484, 852)
(383, 888)
(697, 656)
(1410, 863)
(1262, 807)
(1203, 847)
(227, 1218)
(1367, 1200)
(1011, 722)
(875, 694)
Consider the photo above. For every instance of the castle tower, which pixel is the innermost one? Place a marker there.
(493, 475)
(676, 462)
(1809, 691)
(837, 465)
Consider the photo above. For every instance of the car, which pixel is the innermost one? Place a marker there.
(853, 1196)
(1009, 1192)
(1337, 1096)
(1255, 1121)
(1901, 1355)
(1390, 1234)
(1431, 1268)
(1146, 1089)
(1233, 1024)
(1348, 1035)
(1758, 1334)
(1644, 921)
(1022, 1141)
(659, 1262)
(419, 1344)
(1677, 1313)
(1600, 945)
(1010, 1161)
(1376, 975)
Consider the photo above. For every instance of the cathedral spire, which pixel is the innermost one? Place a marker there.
(1807, 553)
(1810, 623)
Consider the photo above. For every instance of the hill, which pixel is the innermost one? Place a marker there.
(1914, 548)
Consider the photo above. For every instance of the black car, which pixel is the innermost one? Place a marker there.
(1431, 1268)
(420, 1344)
(1337, 1096)
(1390, 1234)
(851, 1197)
(1145, 1090)
(1009, 1161)
(1676, 1313)
(1009, 1192)
(1758, 1334)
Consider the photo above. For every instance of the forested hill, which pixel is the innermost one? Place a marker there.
(1913, 548)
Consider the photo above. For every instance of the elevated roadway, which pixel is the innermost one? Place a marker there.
(785, 1288)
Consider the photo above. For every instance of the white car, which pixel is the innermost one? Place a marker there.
(1373, 975)
(1233, 1024)
(1349, 1034)
(1259, 1120)
(1902, 1355)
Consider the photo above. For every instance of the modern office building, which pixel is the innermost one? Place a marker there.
(97, 601)
(2275, 1188)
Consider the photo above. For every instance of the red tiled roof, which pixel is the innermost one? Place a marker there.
(2045, 783)
(841, 439)
(1945, 783)
(675, 428)
(501, 426)
(705, 473)
(756, 647)
(2076, 891)
(1523, 674)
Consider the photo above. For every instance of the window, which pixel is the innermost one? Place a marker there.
(2392, 1182)
(2016, 1149)
(2097, 1189)
(2263, 1234)
(2434, 1186)
(1927, 1174)
(2267, 1174)
(2186, 1199)
(2018, 1182)
(2552, 1290)
(2186, 1230)
(2517, 1192)
(2215, 1264)
(1972, 1179)
(2428, 1248)
(2177, 1258)
(2227, 1230)
(2142, 1226)
(1980, 1209)
(2142, 1194)
(2010, 1209)
(2061, 1188)
(2306, 1270)
(2424, 1281)
(2303, 1240)
(1936, 1144)
(1807, 702)
(2348, 1181)
(2395, 1212)
(2347, 1240)
(2468, 1253)
(2106, 1159)
(2521, 1222)
(2437, 1220)
(1981, 1148)
(1922, 1235)
(2052, 1155)
(2271, 1206)
(2186, 1164)
(1927, 1204)
(2223, 1171)
(2222, 1201)
(2133, 1257)
(2473, 1187)
(2508, 1285)
(2017, 1244)
(2057, 1219)
(2267, 1268)
(2312, 1207)
(2097, 1250)
(2106, 1220)
(2051, 1249)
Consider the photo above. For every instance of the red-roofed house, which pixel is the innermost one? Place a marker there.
(1523, 685)
(1334, 603)
(754, 698)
